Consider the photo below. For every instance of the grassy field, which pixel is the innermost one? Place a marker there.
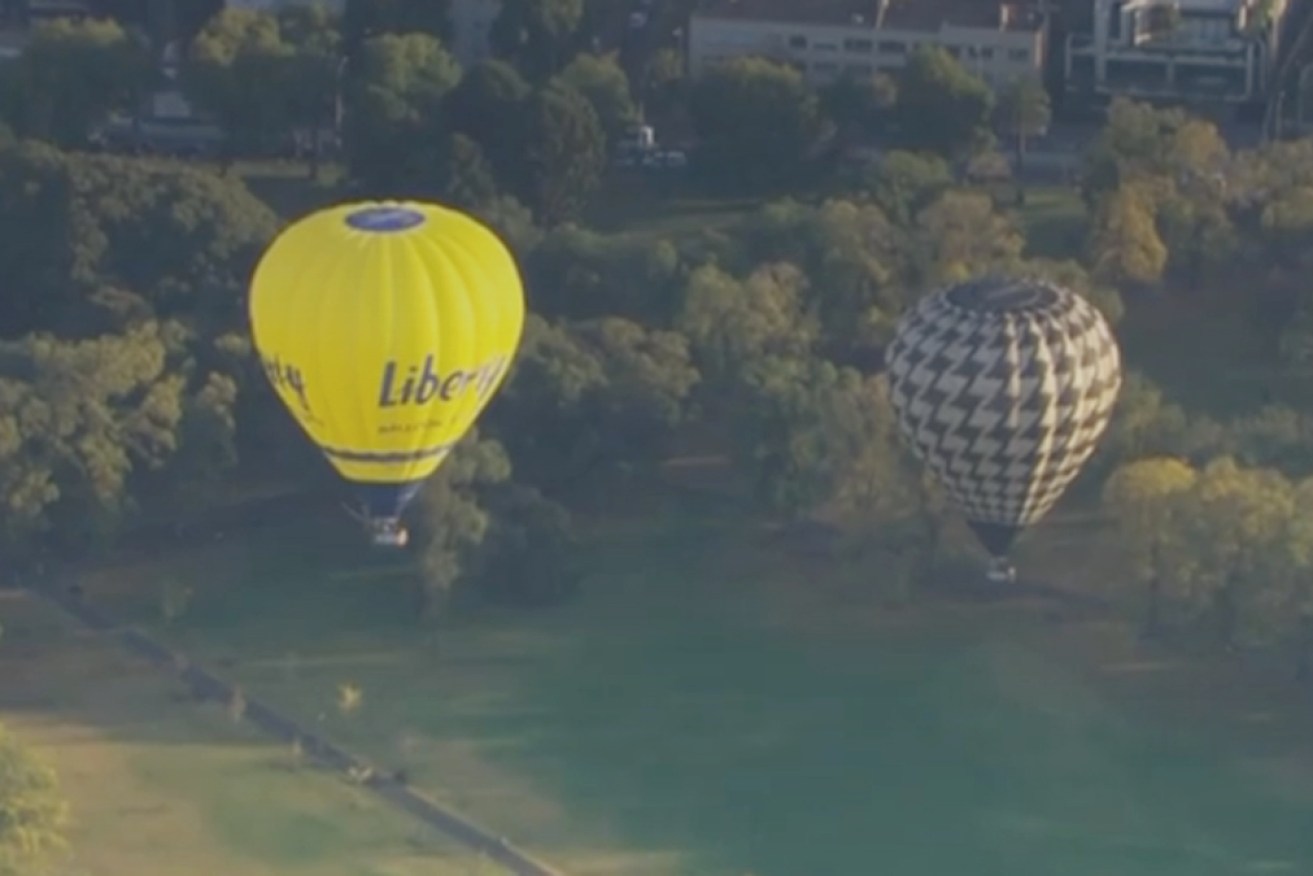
(710, 707)
(1054, 221)
(162, 786)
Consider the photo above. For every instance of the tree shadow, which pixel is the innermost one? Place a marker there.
(661, 714)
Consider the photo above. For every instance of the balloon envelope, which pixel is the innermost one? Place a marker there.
(385, 328)
(1003, 388)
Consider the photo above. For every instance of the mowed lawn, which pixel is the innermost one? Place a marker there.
(710, 707)
(162, 786)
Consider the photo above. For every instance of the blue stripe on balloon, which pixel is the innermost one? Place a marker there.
(385, 458)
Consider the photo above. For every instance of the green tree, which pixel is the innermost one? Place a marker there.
(72, 75)
(181, 239)
(315, 76)
(904, 183)
(601, 79)
(513, 221)
(662, 89)
(806, 425)
(565, 153)
(1229, 554)
(1292, 603)
(81, 419)
(1274, 436)
(855, 259)
(1124, 245)
(1140, 141)
(584, 274)
(884, 498)
(737, 327)
(90, 242)
(488, 106)
(1145, 498)
(464, 176)
(451, 521)
(1178, 167)
(857, 104)
(1023, 111)
(240, 70)
(942, 107)
(536, 34)
(1145, 424)
(599, 397)
(756, 119)
(33, 813)
(394, 112)
(961, 235)
(362, 19)
(649, 377)
(527, 554)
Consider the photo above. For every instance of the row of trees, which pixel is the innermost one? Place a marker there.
(129, 380)
(537, 122)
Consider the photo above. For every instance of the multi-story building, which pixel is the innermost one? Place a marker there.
(999, 41)
(275, 5)
(1213, 50)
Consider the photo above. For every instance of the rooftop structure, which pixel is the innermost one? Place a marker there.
(912, 15)
(1216, 50)
(999, 41)
(791, 11)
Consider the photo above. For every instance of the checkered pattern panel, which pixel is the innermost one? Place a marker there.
(1003, 387)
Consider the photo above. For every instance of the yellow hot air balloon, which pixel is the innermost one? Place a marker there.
(386, 328)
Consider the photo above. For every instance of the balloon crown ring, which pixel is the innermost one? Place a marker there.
(1003, 295)
(384, 218)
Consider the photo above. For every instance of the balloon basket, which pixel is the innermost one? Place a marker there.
(1001, 572)
(388, 534)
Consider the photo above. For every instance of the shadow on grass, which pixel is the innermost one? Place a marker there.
(671, 722)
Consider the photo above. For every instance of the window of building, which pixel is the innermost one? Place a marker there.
(1022, 55)
(892, 48)
(987, 53)
(825, 47)
(955, 51)
(797, 41)
(858, 45)
(859, 69)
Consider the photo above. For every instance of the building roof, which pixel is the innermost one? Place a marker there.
(904, 15)
(798, 11)
(930, 15)
(1194, 5)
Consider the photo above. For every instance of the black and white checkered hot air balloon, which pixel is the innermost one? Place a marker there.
(1002, 387)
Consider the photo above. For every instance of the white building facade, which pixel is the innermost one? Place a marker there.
(1000, 45)
(275, 5)
(1214, 50)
